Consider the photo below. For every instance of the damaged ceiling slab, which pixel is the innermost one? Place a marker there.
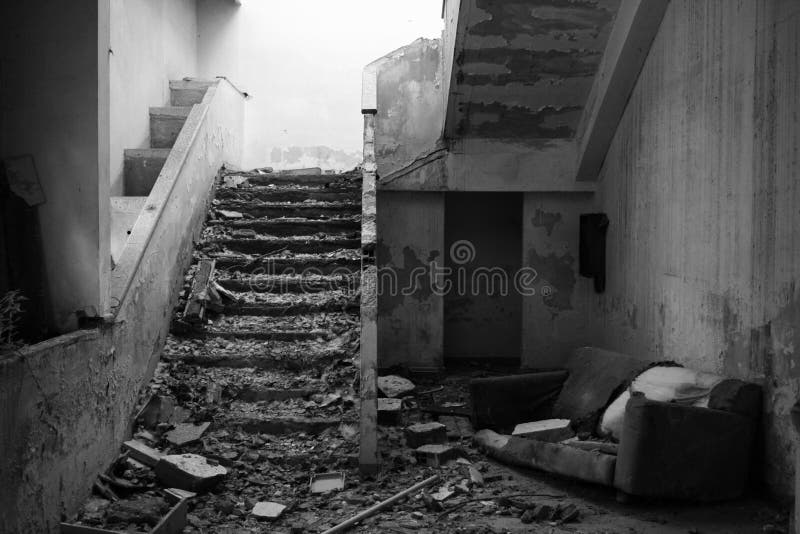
(525, 69)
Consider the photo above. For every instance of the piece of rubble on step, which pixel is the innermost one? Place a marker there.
(142, 453)
(186, 433)
(389, 411)
(457, 427)
(551, 430)
(437, 455)
(267, 511)
(394, 386)
(229, 214)
(190, 472)
(425, 434)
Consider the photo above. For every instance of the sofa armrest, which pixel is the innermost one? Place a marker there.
(668, 450)
(501, 402)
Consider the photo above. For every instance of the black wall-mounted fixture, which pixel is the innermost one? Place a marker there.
(592, 248)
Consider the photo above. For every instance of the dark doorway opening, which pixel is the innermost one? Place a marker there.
(482, 309)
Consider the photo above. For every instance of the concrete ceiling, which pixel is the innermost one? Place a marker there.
(524, 69)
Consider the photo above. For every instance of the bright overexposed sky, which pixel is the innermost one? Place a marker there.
(302, 60)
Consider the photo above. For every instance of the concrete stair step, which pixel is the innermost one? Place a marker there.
(285, 194)
(282, 284)
(187, 92)
(299, 244)
(281, 426)
(141, 169)
(292, 226)
(308, 210)
(276, 335)
(308, 359)
(166, 124)
(283, 178)
(343, 261)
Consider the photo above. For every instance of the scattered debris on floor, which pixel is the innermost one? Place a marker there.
(251, 421)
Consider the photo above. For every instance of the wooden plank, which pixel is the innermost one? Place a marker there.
(635, 27)
(196, 303)
(69, 528)
(175, 521)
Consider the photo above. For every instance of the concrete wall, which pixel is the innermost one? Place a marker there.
(219, 40)
(152, 42)
(410, 238)
(70, 400)
(700, 185)
(411, 104)
(554, 315)
(50, 95)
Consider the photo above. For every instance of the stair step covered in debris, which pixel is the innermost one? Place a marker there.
(332, 263)
(287, 226)
(289, 194)
(239, 209)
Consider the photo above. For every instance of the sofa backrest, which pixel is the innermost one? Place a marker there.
(594, 376)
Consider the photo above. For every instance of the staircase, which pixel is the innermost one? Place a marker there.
(143, 165)
(274, 367)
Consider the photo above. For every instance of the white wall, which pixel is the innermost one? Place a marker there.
(152, 42)
(302, 62)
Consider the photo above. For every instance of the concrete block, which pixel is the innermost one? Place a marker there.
(437, 454)
(190, 472)
(551, 430)
(390, 411)
(166, 124)
(395, 386)
(187, 92)
(141, 169)
(425, 434)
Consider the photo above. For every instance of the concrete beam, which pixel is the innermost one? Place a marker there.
(634, 29)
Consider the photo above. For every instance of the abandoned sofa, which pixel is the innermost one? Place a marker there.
(696, 445)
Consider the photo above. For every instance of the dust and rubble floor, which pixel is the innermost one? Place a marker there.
(263, 392)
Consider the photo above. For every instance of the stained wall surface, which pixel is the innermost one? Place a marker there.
(700, 185)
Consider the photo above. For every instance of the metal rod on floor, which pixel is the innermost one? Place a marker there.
(341, 527)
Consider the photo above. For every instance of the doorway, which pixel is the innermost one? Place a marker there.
(483, 249)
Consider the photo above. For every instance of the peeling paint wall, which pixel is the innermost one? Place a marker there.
(524, 69)
(410, 312)
(554, 316)
(410, 104)
(700, 186)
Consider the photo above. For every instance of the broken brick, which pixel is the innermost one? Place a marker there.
(425, 434)
(436, 455)
(389, 411)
